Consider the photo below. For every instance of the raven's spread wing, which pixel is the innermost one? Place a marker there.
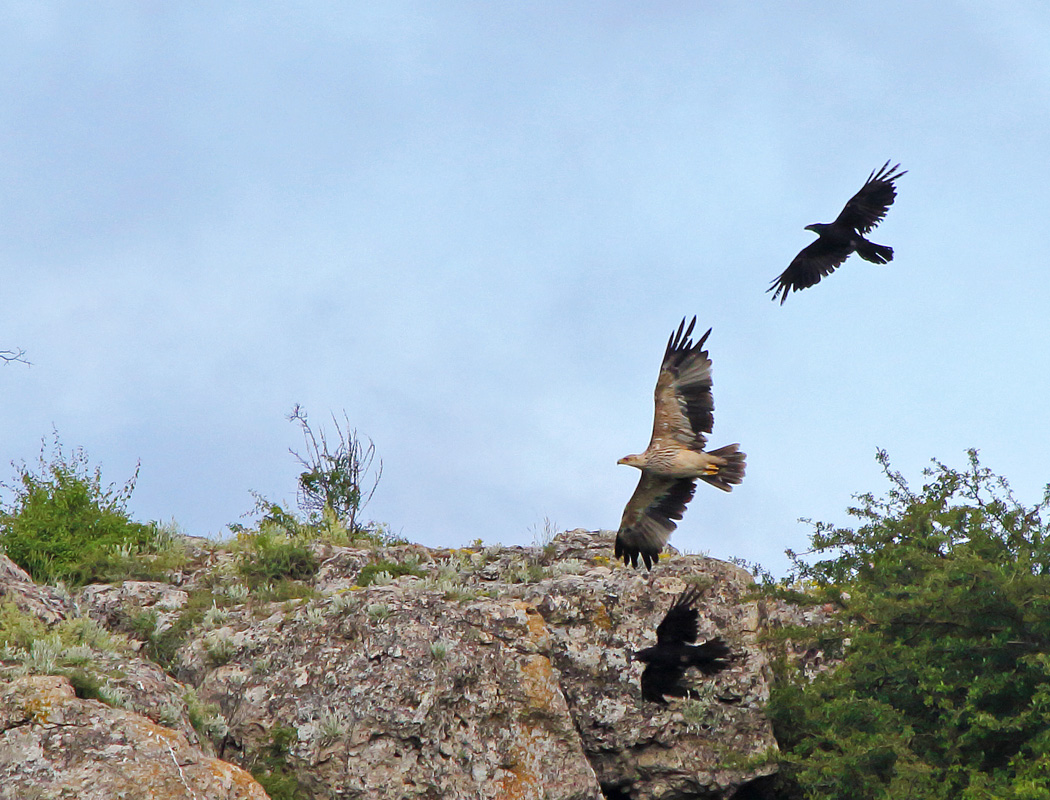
(813, 262)
(679, 624)
(649, 517)
(868, 207)
(713, 656)
(684, 404)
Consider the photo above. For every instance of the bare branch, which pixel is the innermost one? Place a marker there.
(13, 356)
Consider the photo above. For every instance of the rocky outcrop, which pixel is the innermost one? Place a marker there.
(53, 744)
(500, 672)
(485, 672)
(44, 603)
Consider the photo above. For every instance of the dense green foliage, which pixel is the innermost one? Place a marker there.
(61, 523)
(269, 556)
(943, 690)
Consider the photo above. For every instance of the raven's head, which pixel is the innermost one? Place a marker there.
(645, 656)
(818, 227)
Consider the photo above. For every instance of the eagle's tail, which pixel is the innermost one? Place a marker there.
(875, 253)
(731, 472)
(711, 657)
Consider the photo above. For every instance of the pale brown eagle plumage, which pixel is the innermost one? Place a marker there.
(675, 457)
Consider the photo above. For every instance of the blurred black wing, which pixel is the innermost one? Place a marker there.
(680, 624)
(649, 517)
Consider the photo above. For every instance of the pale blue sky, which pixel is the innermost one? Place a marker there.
(473, 226)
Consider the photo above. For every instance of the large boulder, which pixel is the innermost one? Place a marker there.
(500, 672)
(54, 745)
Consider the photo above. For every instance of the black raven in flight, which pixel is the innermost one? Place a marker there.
(674, 652)
(838, 239)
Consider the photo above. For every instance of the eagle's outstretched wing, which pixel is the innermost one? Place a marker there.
(684, 405)
(650, 515)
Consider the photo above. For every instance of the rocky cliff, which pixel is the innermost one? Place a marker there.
(485, 672)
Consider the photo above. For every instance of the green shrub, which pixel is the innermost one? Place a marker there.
(162, 647)
(944, 687)
(369, 572)
(272, 770)
(269, 557)
(71, 647)
(62, 524)
(206, 718)
(285, 589)
(17, 628)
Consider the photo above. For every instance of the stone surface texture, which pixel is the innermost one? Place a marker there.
(54, 745)
(494, 672)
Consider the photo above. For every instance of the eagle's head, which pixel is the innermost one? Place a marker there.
(636, 460)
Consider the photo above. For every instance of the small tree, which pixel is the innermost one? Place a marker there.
(943, 690)
(341, 476)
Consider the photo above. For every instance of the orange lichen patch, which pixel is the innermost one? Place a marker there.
(539, 683)
(601, 618)
(166, 736)
(243, 784)
(518, 784)
(534, 621)
(523, 779)
(42, 695)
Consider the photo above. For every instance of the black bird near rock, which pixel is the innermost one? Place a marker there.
(674, 652)
(844, 236)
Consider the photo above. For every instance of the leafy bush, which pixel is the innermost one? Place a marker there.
(944, 686)
(268, 557)
(62, 524)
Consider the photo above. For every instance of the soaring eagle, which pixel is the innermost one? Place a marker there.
(675, 457)
(674, 652)
(844, 236)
